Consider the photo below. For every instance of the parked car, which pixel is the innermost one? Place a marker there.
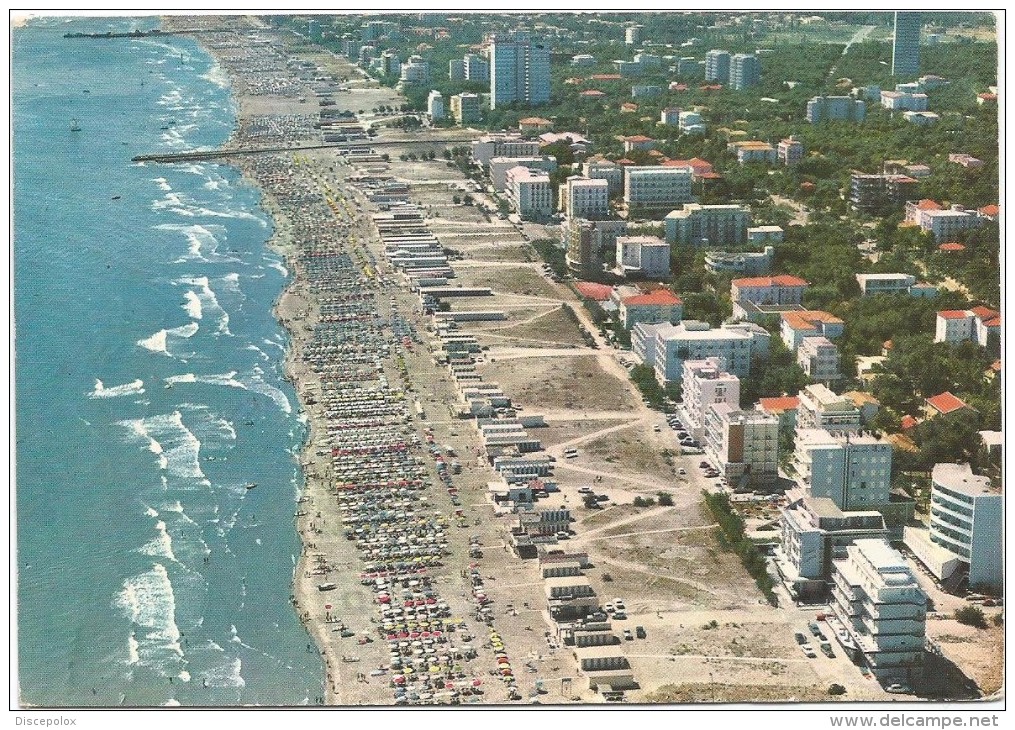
(620, 615)
(639, 631)
(808, 651)
(682, 471)
(826, 649)
(609, 608)
(628, 636)
(898, 689)
(800, 638)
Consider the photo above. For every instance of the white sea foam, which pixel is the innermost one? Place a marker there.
(184, 675)
(228, 379)
(162, 183)
(161, 546)
(147, 600)
(150, 512)
(226, 427)
(178, 448)
(277, 265)
(155, 343)
(192, 305)
(208, 301)
(202, 240)
(132, 646)
(217, 76)
(226, 675)
(135, 387)
(139, 428)
(159, 342)
(258, 385)
(171, 702)
(254, 348)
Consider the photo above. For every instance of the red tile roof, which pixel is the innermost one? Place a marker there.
(597, 292)
(605, 77)
(951, 247)
(928, 204)
(593, 92)
(952, 314)
(638, 138)
(908, 422)
(946, 403)
(662, 297)
(990, 210)
(779, 404)
(984, 312)
(780, 280)
(534, 121)
(988, 97)
(625, 161)
(806, 320)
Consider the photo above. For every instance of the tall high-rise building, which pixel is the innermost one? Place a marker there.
(717, 66)
(519, 70)
(906, 45)
(745, 71)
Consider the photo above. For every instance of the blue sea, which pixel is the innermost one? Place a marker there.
(149, 389)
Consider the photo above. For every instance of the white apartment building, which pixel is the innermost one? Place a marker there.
(820, 360)
(964, 543)
(855, 472)
(499, 167)
(883, 608)
(752, 151)
(871, 284)
(708, 225)
(945, 225)
(717, 66)
(586, 243)
(790, 151)
(691, 123)
(519, 70)
(814, 532)
(611, 172)
(743, 445)
(529, 192)
(902, 101)
(647, 256)
(693, 340)
(465, 109)
(586, 198)
(980, 324)
(435, 105)
(704, 384)
(821, 408)
(796, 326)
(757, 235)
(487, 147)
(415, 71)
(476, 68)
(670, 116)
(662, 305)
(781, 289)
(966, 519)
(657, 187)
(843, 108)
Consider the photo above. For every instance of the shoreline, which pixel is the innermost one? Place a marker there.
(285, 308)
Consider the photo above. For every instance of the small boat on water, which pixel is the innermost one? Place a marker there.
(250, 485)
(326, 586)
(74, 126)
